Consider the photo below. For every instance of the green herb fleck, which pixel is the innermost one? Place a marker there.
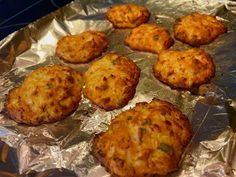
(142, 131)
(156, 37)
(147, 122)
(49, 85)
(129, 117)
(114, 62)
(129, 10)
(166, 148)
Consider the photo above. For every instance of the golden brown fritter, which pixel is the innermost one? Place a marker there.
(111, 81)
(149, 38)
(127, 15)
(145, 141)
(47, 95)
(198, 29)
(184, 69)
(81, 48)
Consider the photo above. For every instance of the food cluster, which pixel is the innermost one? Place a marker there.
(148, 139)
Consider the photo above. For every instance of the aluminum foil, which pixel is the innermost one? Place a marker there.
(66, 145)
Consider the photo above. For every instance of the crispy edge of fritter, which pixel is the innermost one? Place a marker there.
(102, 161)
(142, 20)
(6, 110)
(11, 113)
(168, 43)
(194, 86)
(196, 42)
(132, 89)
(125, 101)
(103, 38)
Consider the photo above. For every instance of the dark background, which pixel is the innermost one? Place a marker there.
(15, 14)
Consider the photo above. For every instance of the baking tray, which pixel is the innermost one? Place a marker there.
(66, 145)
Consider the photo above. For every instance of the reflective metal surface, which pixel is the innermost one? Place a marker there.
(67, 144)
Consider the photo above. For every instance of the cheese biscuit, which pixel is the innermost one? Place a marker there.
(147, 140)
(184, 69)
(48, 94)
(111, 81)
(81, 48)
(198, 29)
(149, 38)
(127, 15)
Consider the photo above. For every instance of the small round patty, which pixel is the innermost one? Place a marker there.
(111, 81)
(147, 140)
(81, 48)
(149, 38)
(48, 94)
(198, 29)
(127, 15)
(184, 69)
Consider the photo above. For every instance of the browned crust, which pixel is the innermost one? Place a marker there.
(12, 115)
(198, 29)
(181, 81)
(121, 16)
(112, 107)
(111, 86)
(139, 40)
(81, 48)
(169, 44)
(23, 103)
(165, 109)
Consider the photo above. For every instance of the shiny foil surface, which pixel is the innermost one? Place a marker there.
(66, 145)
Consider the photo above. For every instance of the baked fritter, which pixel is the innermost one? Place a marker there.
(48, 94)
(184, 69)
(81, 48)
(127, 15)
(147, 140)
(111, 81)
(149, 38)
(198, 29)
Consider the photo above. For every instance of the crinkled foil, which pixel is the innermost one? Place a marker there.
(66, 145)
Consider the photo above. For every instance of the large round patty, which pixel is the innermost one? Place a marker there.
(81, 48)
(184, 69)
(127, 15)
(198, 29)
(149, 38)
(47, 95)
(111, 81)
(147, 140)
